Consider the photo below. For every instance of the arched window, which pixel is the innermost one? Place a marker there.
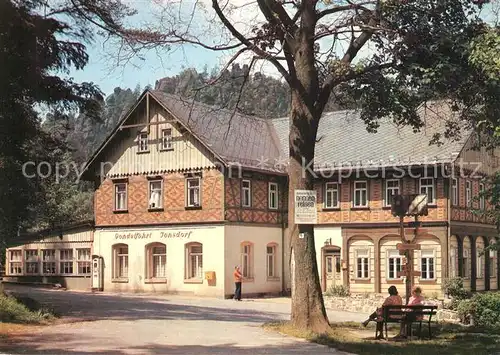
(194, 261)
(120, 261)
(247, 260)
(493, 260)
(156, 261)
(271, 261)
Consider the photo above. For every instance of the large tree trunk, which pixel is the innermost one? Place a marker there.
(308, 310)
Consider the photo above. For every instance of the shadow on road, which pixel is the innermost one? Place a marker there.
(91, 307)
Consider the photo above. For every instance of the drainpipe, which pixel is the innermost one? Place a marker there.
(283, 283)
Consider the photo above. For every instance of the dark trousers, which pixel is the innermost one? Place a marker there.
(237, 291)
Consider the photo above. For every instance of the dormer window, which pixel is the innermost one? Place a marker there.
(142, 142)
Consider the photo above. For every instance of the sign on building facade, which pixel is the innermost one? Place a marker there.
(305, 207)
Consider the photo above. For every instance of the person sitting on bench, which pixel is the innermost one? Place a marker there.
(393, 300)
(416, 299)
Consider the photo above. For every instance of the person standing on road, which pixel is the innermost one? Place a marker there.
(237, 283)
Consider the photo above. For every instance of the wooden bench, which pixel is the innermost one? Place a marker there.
(410, 315)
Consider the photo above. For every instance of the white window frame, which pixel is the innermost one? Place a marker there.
(482, 199)
(479, 264)
(194, 262)
(453, 262)
(424, 189)
(454, 192)
(142, 142)
(48, 258)
(159, 191)
(197, 195)
(394, 254)
(120, 261)
(120, 193)
(492, 256)
(333, 189)
(468, 193)
(66, 258)
(246, 193)
(427, 254)
(395, 191)
(247, 260)
(156, 261)
(361, 190)
(31, 257)
(271, 267)
(166, 139)
(83, 261)
(15, 264)
(364, 272)
(466, 264)
(272, 196)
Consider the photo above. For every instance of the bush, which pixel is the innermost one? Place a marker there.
(15, 312)
(338, 291)
(483, 309)
(454, 288)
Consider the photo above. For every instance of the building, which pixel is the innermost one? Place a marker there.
(184, 192)
(54, 256)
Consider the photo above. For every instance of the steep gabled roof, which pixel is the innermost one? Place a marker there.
(234, 137)
(262, 144)
(344, 141)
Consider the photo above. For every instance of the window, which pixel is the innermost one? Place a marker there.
(465, 264)
(142, 142)
(271, 261)
(468, 193)
(15, 262)
(246, 193)
(49, 261)
(331, 195)
(166, 139)
(480, 264)
(156, 194)
(427, 265)
(246, 260)
(193, 192)
(391, 190)
(362, 263)
(394, 264)
(493, 269)
(195, 261)
(453, 262)
(157, 261)
(482, 201)
(120, 197)
(83, 258)
(360, 194)
(31, 257)
(427, 188)
(454, 192)
(273, 196)
(120, 264)
(66, 261)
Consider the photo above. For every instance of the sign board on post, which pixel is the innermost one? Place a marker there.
(305, 207)
(405, 246)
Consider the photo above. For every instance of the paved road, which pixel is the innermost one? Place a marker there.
(147, 324)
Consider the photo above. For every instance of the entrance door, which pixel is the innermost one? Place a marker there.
(332, 270)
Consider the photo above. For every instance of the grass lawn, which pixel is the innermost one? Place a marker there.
(447, 339)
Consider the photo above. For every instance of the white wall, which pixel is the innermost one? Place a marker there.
(212, 238)
(260, 237)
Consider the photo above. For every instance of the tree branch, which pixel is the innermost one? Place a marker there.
(249, 44)
(351, 6)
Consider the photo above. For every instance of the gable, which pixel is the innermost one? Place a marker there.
(481, 160)
(121, 156)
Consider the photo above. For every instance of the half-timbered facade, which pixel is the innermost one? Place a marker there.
(185, 191)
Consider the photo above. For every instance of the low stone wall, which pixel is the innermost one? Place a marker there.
(368, 303)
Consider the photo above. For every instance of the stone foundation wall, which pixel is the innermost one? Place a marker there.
(368, 303)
